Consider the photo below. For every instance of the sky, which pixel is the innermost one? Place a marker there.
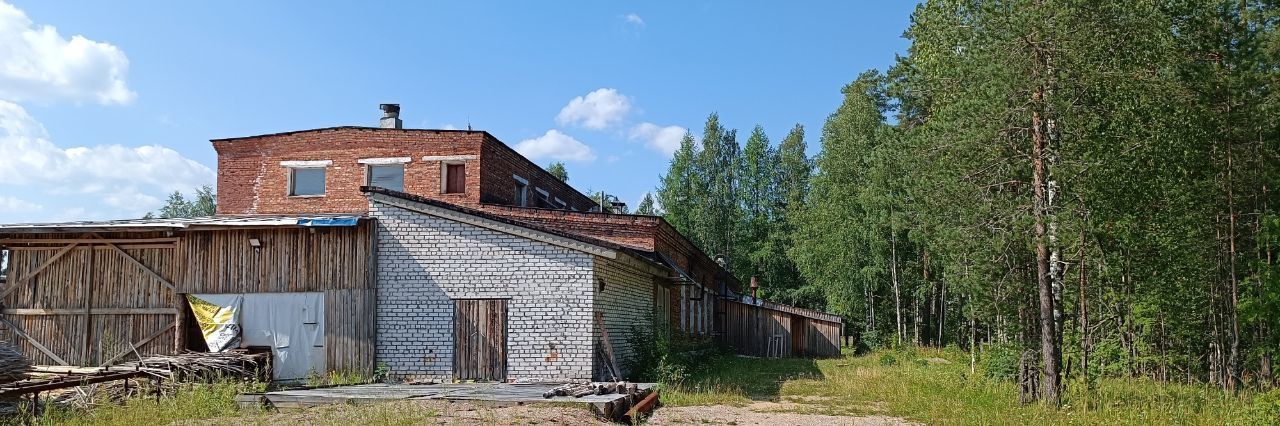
(107, 107)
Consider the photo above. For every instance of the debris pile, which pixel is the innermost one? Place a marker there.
(13, 366)
(579, 390)
(205, 366)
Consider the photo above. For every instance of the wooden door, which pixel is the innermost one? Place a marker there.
(480, 339)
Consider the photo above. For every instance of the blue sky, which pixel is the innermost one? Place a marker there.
(105, 107)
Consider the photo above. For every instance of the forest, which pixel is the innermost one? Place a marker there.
(1089, 184)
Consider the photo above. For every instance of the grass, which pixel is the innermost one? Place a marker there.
(902, 383)
(193, 402)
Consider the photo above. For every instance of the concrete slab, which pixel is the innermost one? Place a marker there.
(608, 405)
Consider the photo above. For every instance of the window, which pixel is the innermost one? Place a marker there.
(559, 204)
(521, 195)
(390, 176)
(306, 182)
(455, 178)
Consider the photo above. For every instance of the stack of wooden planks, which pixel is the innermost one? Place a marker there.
(13, 366)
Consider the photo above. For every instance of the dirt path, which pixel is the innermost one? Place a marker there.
(726, 415)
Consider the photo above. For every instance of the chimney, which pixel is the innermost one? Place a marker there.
(755, 287)
(390, 117)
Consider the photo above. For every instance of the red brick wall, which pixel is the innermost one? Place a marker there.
(632, 231)
(252, 181)
(647, 233)
(498, 187)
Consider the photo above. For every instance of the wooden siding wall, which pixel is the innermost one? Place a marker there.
(49, 308)
(748, 329)
(88, 318)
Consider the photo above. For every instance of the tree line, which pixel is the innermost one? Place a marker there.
(1090, 183)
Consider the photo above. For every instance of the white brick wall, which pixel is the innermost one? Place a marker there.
(626, 301)
(424, 262)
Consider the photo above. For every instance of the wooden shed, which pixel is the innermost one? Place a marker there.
(93, 293)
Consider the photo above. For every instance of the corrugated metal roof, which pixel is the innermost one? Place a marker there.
(178, 224)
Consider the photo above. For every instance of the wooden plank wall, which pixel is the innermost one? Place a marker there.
(480, 339)
(125, 305)
(336, 261)
(748, 328)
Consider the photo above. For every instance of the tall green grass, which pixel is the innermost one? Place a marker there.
(917, 383)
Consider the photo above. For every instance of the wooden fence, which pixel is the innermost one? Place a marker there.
(765, 329)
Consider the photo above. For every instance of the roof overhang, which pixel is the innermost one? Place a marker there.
(505, 226)
(184, 224)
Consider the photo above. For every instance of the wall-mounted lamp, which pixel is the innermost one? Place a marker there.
(255, 243)
(601, 283)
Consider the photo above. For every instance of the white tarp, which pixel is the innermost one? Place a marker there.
(292, 324)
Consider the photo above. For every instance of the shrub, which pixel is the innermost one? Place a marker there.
(1000, 361)
(888, 359)
(664, 356)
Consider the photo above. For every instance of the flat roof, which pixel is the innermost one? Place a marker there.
(184, 224)
(321, 129)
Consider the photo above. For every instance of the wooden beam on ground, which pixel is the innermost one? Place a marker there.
(645, 406)
(22, 281)
(139, 344)
(33, 341)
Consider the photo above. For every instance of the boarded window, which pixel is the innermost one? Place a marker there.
(522, 194)
(389, 176)
(306, 181)
(455, 178)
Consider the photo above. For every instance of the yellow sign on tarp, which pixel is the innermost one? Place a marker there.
(219, 319)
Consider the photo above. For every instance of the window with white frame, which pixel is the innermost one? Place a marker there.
(558, 203)
(306, 178)
(385, 172)
(453, 177)
(389, 176)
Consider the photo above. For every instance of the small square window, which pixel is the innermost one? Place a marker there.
(455, 178)
(306, 181)
(390, 176)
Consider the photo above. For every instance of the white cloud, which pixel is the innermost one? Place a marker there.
(555, 146)
(18, 206)
(130, 179)
(633, 19)
(38, 64)
(597, 110)
(658, 138)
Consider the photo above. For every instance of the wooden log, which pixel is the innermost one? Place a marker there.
(645, 406)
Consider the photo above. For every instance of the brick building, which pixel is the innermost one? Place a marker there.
(477, 264)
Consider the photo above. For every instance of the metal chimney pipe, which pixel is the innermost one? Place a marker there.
(390, 117)
(755, 287)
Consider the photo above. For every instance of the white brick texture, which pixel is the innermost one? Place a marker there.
(425, 262)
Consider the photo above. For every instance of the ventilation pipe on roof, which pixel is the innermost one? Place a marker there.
(390, 116)
(755, 287)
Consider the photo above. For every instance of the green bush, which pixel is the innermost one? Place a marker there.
(665, 356)
(1000, 361)
(887, 358)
